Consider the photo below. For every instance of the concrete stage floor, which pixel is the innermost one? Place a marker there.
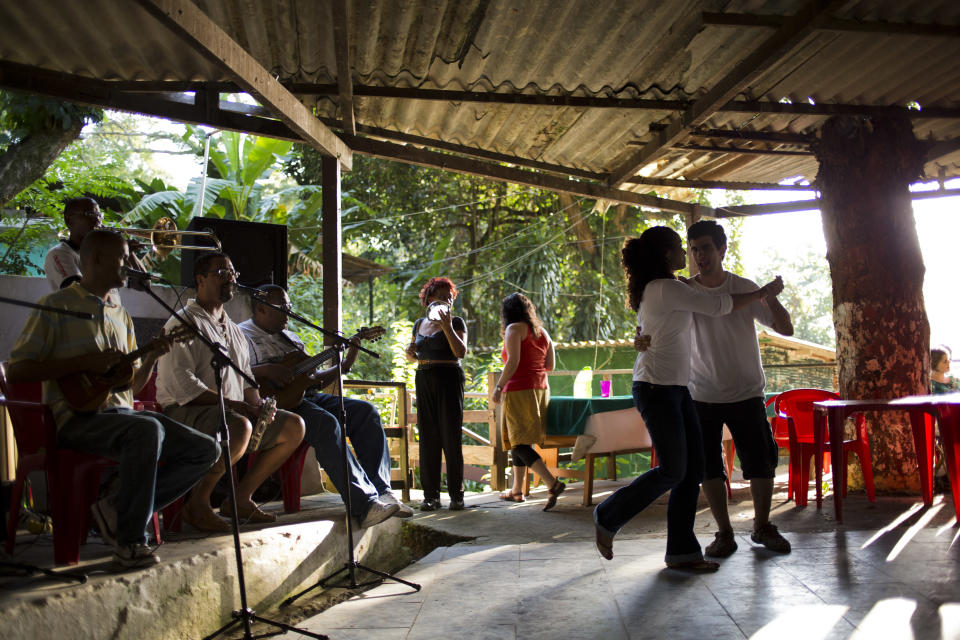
(507, 570)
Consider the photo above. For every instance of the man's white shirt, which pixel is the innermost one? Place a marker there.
(725, 362)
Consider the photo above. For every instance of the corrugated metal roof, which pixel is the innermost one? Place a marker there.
(615, 48)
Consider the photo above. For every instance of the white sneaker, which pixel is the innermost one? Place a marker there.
(377, 513)
(403, 511)
(106, 517)
(134, 556)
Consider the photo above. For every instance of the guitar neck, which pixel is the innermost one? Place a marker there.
(313, 362)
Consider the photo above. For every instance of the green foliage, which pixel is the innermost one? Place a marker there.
(808, 295)
(23, 113)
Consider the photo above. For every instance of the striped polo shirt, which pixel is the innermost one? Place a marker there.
(48, 335)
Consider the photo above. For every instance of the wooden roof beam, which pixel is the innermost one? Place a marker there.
(341, 44)
(811, 205)
(794, 30)
(197, 29)
(741, 150)
(586, 102)
(834, 24)
(717, 184)
(759, 136)
(181, 107)
(448, 162)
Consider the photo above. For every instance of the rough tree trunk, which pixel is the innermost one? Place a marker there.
(25, 161)
(883, 338)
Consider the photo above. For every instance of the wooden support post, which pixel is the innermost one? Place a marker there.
(332, 246)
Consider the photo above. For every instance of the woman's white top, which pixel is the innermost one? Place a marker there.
(666, 315)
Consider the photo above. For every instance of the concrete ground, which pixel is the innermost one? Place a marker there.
(890, 571)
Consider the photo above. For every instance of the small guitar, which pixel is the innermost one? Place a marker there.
(304, 367)
(267, 411)
(85, 391)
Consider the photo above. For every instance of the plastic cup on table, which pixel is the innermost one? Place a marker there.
(605, 388)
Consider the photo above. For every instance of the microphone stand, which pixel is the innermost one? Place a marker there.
(245, 615)
(351, 566)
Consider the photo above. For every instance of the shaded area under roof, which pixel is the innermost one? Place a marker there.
(607, 93)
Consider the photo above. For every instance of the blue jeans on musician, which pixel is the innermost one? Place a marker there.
(672, 424)
(369, 469)
(160, 459)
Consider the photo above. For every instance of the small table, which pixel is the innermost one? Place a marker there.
(948, 410)
(569, 418)
(922, 410)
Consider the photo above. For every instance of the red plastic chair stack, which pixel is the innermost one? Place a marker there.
(73, 477)
(781, 435)
(796, 407)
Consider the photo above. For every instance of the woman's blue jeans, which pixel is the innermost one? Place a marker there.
(672, 423)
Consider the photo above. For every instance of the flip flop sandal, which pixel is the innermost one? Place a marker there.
(554, 492)
(509, 496)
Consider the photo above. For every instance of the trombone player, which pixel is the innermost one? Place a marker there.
(62, 263)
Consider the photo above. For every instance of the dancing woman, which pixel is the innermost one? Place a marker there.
(439, 342)
(664, 307)
(527, 355)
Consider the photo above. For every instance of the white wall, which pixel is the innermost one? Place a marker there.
(146, 312)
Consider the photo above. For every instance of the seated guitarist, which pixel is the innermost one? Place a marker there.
(55, 345)
(186, 388)
(369, 471)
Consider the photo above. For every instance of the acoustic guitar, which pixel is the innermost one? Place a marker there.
(304, 368)
(86, 391)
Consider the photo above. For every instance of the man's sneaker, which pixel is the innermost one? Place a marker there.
(105, 515)
(768, 536)
(456, 504)
(377, 513)
(723, 545)
(403, 511)
(134, 556)
(430, 504)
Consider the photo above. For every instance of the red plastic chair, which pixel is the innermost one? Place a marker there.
(291, 472)
(781, 435)
(73, 477)
(796, 407)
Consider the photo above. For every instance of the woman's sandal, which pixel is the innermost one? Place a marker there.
(554, 492)
(698, 566)
(510, 496)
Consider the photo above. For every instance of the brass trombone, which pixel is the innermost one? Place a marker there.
(165, 237)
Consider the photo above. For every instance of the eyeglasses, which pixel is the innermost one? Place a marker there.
(224, 273)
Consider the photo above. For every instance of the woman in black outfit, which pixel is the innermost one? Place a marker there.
(439, 341)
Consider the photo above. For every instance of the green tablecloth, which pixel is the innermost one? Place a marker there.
(567, 416)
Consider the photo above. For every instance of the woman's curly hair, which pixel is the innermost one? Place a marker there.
(517, 307)
(645, 259)
(432, 285)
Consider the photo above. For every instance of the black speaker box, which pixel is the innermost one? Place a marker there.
(258, 250)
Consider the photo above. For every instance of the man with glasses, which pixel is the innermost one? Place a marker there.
(62, 264)
(368, 471)
(186, 388)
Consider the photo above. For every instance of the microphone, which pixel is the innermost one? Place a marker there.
(141, 275)
(253, 291)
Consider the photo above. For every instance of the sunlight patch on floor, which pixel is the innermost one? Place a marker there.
(888, 618)
(809, 622)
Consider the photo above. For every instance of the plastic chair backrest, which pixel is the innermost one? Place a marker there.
(29, 429)
(798, 405)
(780, 430)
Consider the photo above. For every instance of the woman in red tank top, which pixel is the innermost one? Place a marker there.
(527, 355)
